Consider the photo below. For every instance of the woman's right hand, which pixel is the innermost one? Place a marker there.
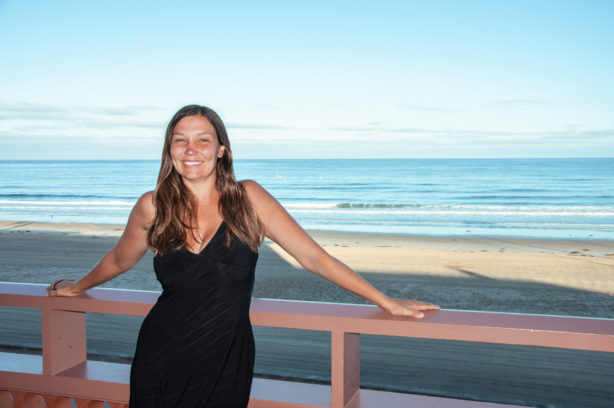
(125, 254)
(62, 287)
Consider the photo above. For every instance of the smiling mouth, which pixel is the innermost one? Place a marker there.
(192, 163)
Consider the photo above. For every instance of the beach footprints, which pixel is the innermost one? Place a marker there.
(580, 253)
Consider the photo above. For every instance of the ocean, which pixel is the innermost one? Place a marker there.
(535, 198)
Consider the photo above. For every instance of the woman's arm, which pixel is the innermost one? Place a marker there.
(125, 254)
(280, 227)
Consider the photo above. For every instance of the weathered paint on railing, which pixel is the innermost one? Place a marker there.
(17, 399)
(64, 369)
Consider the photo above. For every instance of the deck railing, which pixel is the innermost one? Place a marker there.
(63, 372)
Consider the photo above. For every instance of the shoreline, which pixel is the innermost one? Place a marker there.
(326, 238)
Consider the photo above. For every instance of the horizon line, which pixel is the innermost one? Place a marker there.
(334, 158)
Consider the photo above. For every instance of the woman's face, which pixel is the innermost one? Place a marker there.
(195, 148)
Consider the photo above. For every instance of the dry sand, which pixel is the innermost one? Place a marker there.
(562, 277)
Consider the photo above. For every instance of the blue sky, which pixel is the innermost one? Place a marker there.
(416, 79)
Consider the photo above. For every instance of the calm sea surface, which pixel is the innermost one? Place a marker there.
(554, 198)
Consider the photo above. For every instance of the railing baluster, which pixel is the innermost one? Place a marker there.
(58, 402)
(64, 340)
(6, 401)
(33, 401)
(345, 368)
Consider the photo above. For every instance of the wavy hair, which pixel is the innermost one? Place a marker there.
(176, 207)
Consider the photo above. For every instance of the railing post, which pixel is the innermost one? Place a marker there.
(64, 341)
(345, 368)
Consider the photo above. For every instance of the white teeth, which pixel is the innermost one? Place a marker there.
(192, 163)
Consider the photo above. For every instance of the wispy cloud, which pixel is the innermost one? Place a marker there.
(265, 106)
(86, 129)
(518, 103)
(426, 108)
(580, 135)
(256, 126)
(465, 135)
(25, 117)
(17, 109)
(28, 119)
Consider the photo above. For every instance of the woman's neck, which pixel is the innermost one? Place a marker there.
(205, 192)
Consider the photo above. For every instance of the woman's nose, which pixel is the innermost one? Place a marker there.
(190, 149)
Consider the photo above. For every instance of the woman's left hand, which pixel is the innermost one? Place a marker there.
(409, 308)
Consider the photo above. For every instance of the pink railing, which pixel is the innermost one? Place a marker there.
(64, 373)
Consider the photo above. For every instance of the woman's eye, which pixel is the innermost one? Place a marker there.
(178, 140)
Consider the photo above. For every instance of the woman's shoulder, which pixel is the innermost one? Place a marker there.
(250, 185)
(260, 198)
(253, 189)
(146, 199)
(145, 207)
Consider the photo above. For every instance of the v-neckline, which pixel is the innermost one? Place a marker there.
(217, 231)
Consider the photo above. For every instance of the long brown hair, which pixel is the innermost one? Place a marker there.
(176, 206)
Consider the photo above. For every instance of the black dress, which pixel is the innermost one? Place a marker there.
(196, 346)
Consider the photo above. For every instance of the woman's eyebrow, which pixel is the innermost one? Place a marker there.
(198, 134)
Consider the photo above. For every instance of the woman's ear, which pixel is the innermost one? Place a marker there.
(220, 153)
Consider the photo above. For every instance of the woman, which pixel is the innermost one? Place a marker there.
(196, 347)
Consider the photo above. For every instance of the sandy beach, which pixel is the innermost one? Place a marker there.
(562, 277)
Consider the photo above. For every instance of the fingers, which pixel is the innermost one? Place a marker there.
(59, 292)
(52, 288)
(416, 314)
(412, 308)
(418, 305)
(413, 313)
(54, 284)
(55, 289)
(405, 311)
(425, 306)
